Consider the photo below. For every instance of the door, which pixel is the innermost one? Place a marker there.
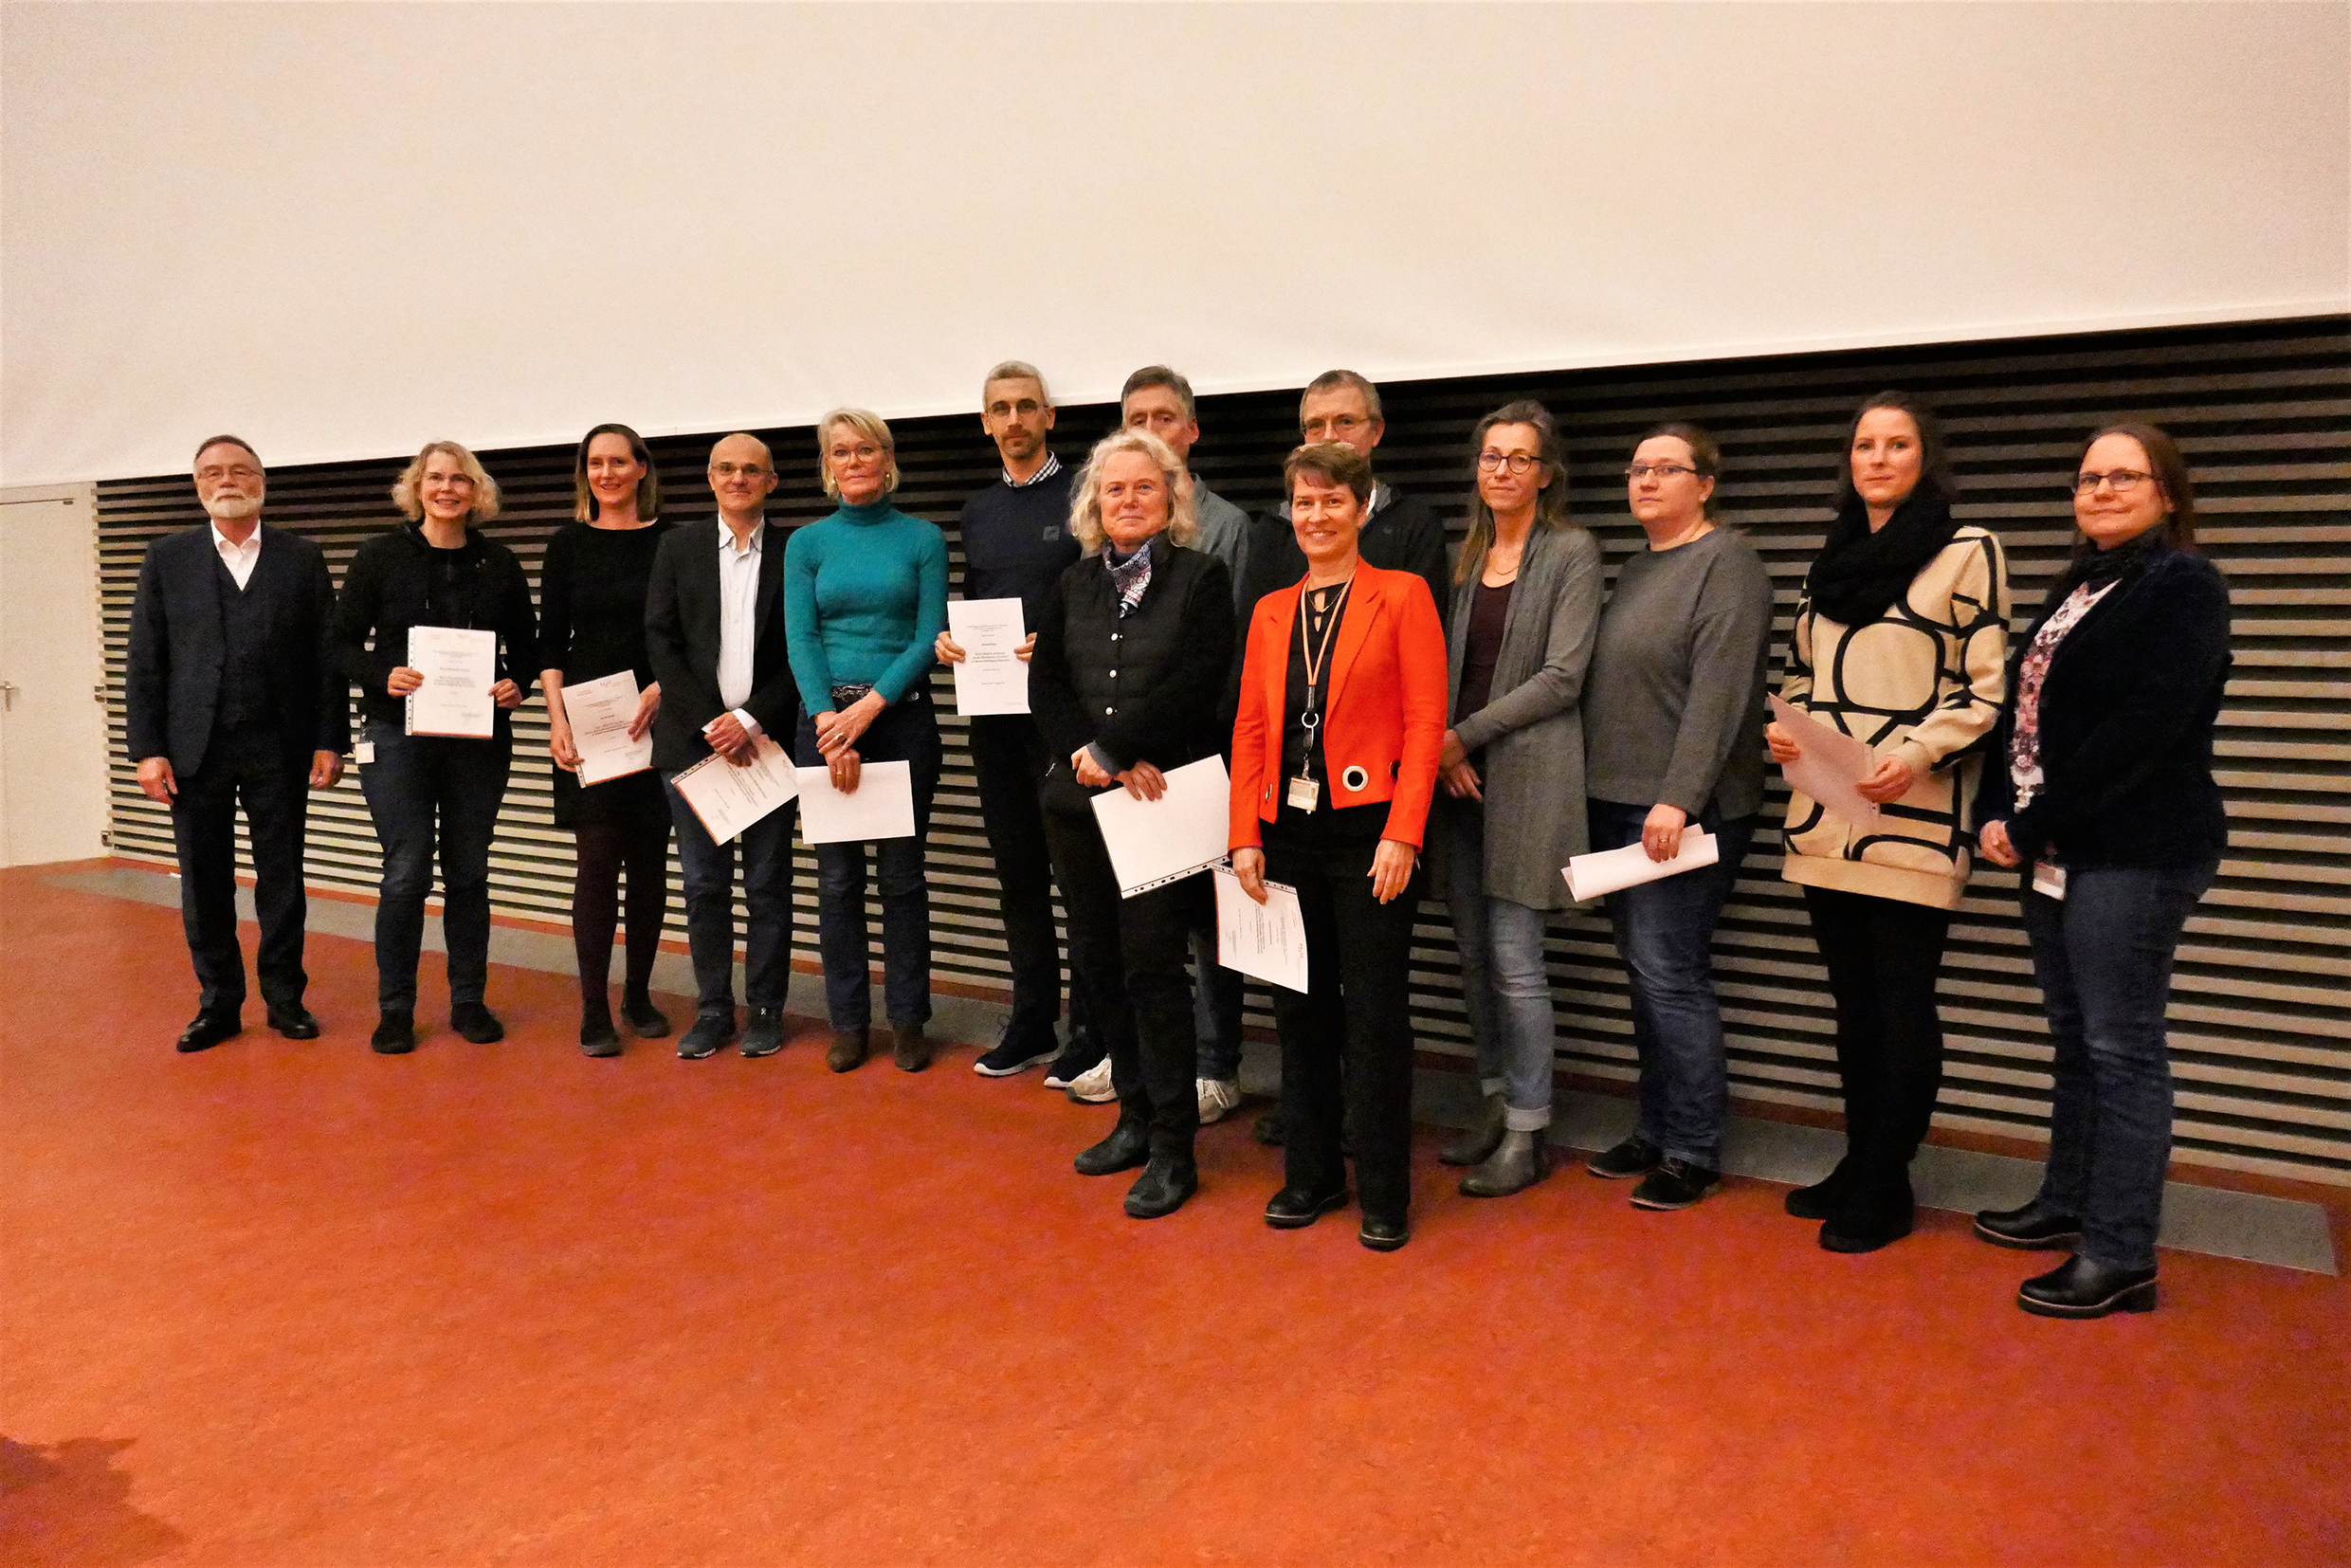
(52, 677)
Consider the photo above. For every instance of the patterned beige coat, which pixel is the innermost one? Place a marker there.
(1923, 682)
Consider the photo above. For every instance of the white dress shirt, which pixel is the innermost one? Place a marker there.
(239, 559)
(738, 619)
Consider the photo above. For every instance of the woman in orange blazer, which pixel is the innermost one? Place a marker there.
(1334, 758)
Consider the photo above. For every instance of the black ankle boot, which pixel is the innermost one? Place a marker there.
(1877, 1211)
(636, 1006)
(1821, 1198)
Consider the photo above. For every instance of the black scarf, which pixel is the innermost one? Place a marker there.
(1858, 575)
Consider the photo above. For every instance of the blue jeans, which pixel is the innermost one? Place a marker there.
(1665, 931)
(2103, 956)
(708, 870)
(907, 731)
(1504, 987)
(420, 787)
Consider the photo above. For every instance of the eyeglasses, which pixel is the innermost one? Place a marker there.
(1640, 471)
(749, 470)
(433, 476)
(242, 472)
(2123, 480)
(1343, 424)
(1490, 460)
(854, 454)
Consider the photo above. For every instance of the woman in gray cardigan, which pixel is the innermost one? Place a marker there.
(1526, 603)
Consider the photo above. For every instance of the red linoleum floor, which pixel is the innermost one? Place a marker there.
(293, 1304)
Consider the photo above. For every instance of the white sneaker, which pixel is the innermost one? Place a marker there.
(1092, 1087)
(1219, 1098)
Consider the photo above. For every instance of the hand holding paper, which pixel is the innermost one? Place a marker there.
(1153, 843)
(601, 713)
(1266, 941)
(1607, 872)
(991, 677)
(1828, 764)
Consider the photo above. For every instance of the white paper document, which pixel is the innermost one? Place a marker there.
(991, 679)
(459, 667)
(1153, 843)
(1266, 941)
(600, 712)
(1833, 763)
(1611, 871)
(882, 806)
(728, 798)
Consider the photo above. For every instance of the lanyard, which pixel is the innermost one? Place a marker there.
(1317, 652)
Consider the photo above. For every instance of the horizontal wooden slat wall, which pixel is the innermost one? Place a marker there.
(2261, 1020)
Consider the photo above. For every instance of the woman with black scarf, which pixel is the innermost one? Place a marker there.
(2102, 782)
(1901, 640)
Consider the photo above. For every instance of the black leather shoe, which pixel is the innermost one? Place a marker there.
(1162, 1188)
(2031, 1229)
(209, 1030)
(395, 1033)
(1269, 1130)
(910, 1048)
(295, 1023)
(850, 1049)
(1127, 1146)
(639, 1014)
(2080, 1288)
(1675, 1184)
(1821, 1198)
(711, 1031)
(763, 1032)
(597, 1037)
(1295, 1208)
(1384, 1235)
(1636, 1156)
(1865, 1226)
(476, 1023)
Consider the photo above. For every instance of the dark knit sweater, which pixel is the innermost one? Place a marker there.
(1017, 543)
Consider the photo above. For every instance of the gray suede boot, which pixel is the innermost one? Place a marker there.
(1518, 1164)
(1479, 1140)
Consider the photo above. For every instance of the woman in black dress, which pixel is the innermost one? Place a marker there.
(591, 596)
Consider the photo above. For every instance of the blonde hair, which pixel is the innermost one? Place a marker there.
(1085, 525)
(866, 424)
(404, 493)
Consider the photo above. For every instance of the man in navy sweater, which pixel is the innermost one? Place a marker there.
(1017, 545)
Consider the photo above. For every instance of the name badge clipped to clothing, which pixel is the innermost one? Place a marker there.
(1304, 793)
(2048, 880)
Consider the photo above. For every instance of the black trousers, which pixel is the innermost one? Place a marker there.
(1005, 759)
(1884, 957)
(1131, 955)
(1359, 954)
(257, 765)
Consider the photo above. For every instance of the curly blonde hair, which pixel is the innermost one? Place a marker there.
(1085, 525)
(411, 504)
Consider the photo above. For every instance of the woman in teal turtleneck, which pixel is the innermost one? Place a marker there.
(864, 596)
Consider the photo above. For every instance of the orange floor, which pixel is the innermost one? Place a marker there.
(295, 1304)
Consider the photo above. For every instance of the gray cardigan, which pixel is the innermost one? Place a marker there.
(1531, 729)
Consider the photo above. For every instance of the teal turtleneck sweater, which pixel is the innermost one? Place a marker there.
(865, 597)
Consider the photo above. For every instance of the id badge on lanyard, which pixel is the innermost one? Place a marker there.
(1305, 791)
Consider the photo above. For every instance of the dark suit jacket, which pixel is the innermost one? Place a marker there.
(171, 687)
(681, 640)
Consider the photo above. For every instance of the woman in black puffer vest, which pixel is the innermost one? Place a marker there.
(1127, 679)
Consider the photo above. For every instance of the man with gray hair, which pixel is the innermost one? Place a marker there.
(1017, 545)
(229, 697)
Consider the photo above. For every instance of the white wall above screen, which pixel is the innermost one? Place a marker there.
(342, 230)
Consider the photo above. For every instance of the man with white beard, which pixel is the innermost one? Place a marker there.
(229, 698)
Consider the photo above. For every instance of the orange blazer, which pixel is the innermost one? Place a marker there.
(1385, 723)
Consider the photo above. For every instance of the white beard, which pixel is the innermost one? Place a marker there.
(234, 508)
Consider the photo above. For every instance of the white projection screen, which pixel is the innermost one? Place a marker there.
(342, 230)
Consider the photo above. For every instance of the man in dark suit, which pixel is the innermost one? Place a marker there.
(714, 630)
(229, 695)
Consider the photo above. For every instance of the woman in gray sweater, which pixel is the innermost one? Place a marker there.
(1510, 811)
(1674, 733)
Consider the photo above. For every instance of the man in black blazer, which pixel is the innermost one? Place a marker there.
(229, 695)
(713, 631)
